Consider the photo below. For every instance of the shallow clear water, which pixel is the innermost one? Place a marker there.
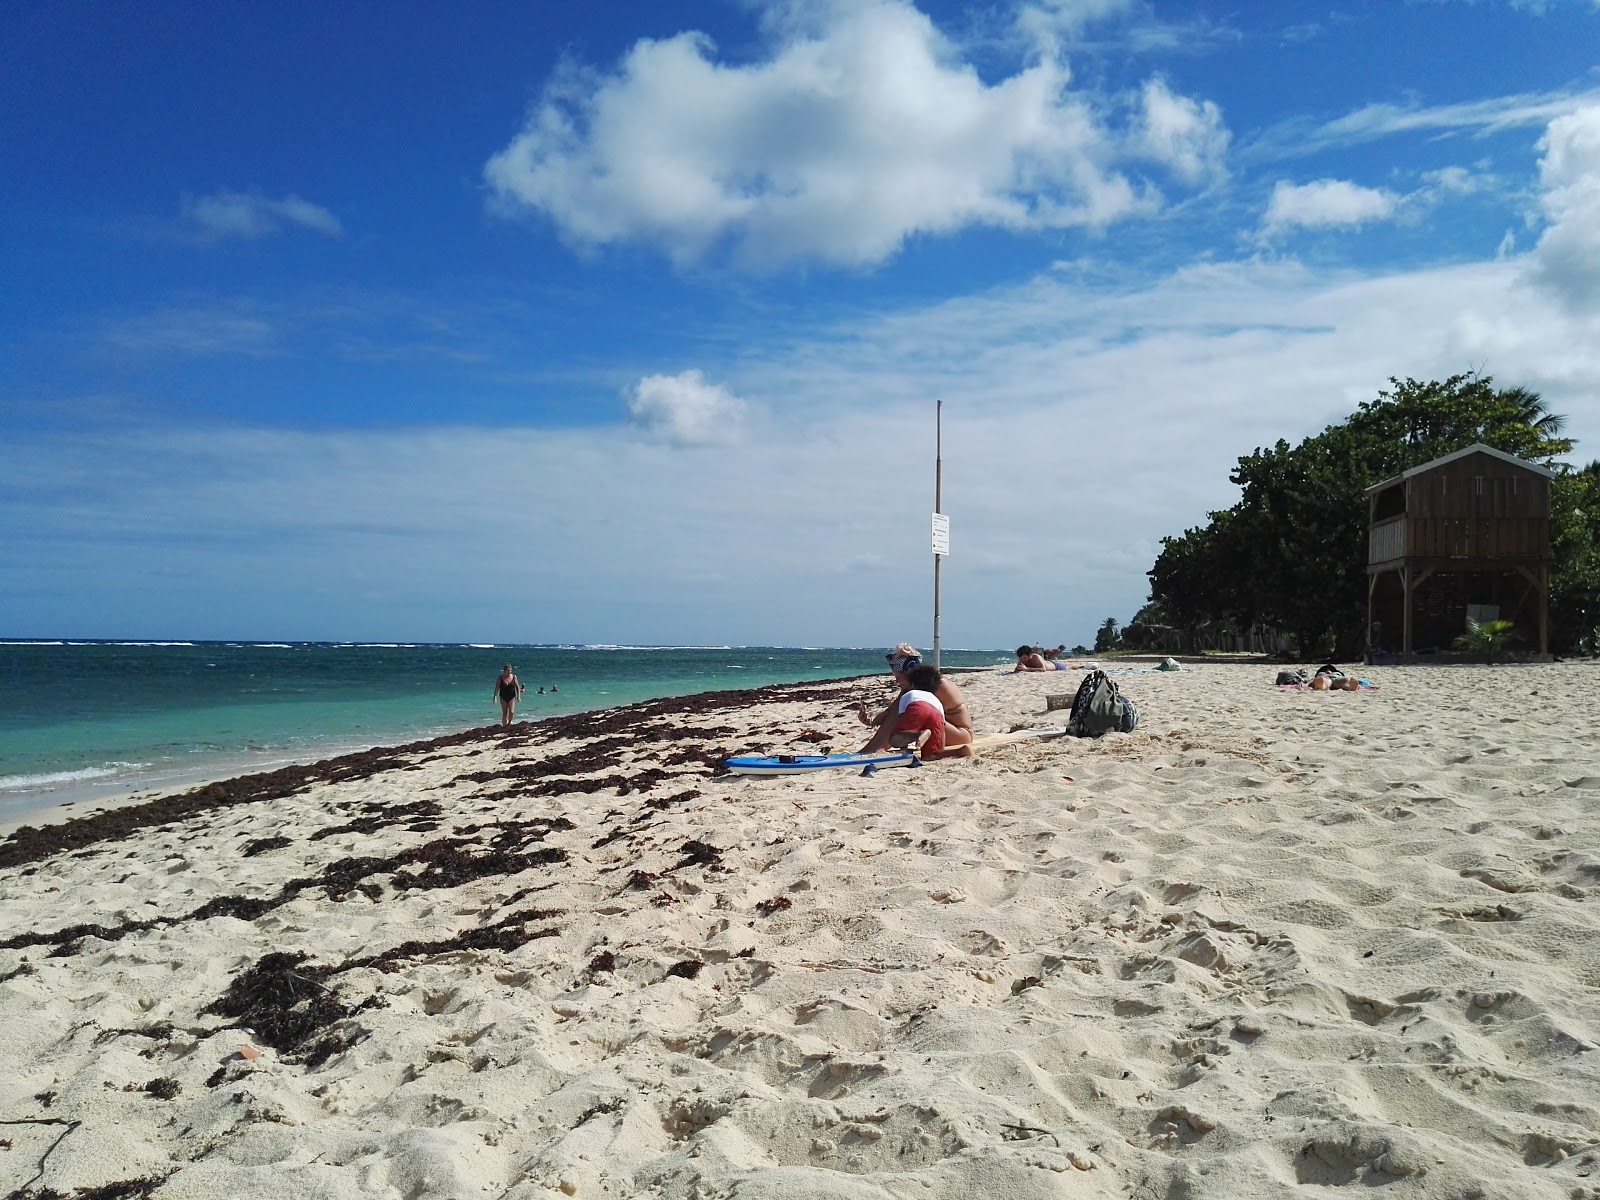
(88, 719)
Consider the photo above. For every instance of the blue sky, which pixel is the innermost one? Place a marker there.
(626, 322)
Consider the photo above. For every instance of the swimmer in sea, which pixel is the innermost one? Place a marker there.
(507, 690)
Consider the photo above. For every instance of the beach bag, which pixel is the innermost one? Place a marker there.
(1291, 677)
(1098, 708)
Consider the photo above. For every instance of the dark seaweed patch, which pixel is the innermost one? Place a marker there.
(159, 1089)
(508, 933)
(698, 854)
(161, 1031)
(601, 963)
(257, 846)
(776, 905)
(445, 862)
(286, 1001)
(687, 969)
(282, 1000)
(123, 1189)
(665, 802)
(377, 817)
(610, 836)
(624, 785)
(594, 1110)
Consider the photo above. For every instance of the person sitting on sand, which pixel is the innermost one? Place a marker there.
(1029, 659)
(903, 659)
(919, 717)
(507, 690)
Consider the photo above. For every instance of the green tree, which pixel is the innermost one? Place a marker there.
(1488, 638)
(1575, 547)
(1291, 553)
(1105, 637)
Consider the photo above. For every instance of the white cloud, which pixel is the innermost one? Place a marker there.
(862, 131)
(1567, 258)
(685, 410)
(1045, 23)
(227, 214)
(1122, 407)
(1325, 204)
(196, 332)
(1188, 136)
(1373, 122)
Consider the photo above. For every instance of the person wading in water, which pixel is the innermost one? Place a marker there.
(507, 690)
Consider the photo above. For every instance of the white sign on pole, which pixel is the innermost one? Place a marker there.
(941, 533)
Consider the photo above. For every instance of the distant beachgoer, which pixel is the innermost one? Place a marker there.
(507, 690)
(554, 688)
(902, 660)
(1029, 659)
(541, 691)
(919, 716)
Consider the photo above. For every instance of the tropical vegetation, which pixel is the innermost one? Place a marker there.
(1289, 555)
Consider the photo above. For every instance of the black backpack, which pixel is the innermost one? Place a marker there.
(1098, 708)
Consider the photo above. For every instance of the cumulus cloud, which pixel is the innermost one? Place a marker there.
(1567, 258)
(860, 130)
(228, 214)
(685, 410)
(1188, 136)
(1325, 204)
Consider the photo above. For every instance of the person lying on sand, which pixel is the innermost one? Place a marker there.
(1029, 659)
(903, 659)
(919, 717)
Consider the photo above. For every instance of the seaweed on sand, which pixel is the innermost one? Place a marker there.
(698, 854)
(286, 1001)
(382, 816)
(257, 846)
(632, 725)
(282, 1001)
(444, 862)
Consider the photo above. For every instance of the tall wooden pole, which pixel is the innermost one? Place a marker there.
(938, 502)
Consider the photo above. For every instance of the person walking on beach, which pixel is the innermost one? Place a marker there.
(507, 690)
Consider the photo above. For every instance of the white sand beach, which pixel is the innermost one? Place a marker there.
(1268, 944)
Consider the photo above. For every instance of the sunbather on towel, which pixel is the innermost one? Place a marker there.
(1029, 659)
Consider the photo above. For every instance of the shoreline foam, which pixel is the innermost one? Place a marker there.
(1268, 943)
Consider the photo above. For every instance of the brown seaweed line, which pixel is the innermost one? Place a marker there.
(32, 843)
(443, 862)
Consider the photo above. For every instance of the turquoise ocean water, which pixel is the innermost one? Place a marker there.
(86, 720)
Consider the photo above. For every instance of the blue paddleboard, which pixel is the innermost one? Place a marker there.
(800, 764)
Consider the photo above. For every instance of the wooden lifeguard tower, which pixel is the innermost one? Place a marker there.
(1464, 535)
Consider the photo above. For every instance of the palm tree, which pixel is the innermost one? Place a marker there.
(1527, 407)
(1488, 638)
